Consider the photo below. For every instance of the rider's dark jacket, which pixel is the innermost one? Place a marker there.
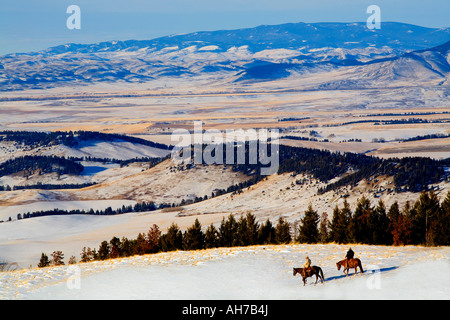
(350, 254)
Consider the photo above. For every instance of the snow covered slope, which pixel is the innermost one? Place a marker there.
(259, 272)
(224, 54)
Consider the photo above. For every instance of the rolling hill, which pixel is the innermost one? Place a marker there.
(253, 54)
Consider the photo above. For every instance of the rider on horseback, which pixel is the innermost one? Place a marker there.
(306, 266)
(350, 254)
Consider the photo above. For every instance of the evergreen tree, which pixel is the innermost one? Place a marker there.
(339, 225)
(401, 227)
(211, 237)
(115, 248)
(86, 255)
(72, 260)
(103, 250)
(359, 231)
(266, 233)
(43, 262)
(194, 238)
(425, 210)
(251, 235)
(442, 227)
(401, 231)
(57, 258)
(242, 232)
(126, 247)
(228, 232)
(323, 228)
(439, 228)
(346, 213)
(379, 224)
(394, 211)
(153, 236)
(141, 245)
(308, 231)
(172, 240)
(282, 231)
(392, 217)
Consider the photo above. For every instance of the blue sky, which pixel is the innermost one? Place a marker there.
(31, 25)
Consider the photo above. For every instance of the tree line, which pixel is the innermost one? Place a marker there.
(71, 138)
(40, 164)
(426, 222)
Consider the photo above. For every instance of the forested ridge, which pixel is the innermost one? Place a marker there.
(71, 138)
(40, 164)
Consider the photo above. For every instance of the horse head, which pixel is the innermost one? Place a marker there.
(338, 265)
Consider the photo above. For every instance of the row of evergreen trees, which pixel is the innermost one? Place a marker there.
(40, 164)
(427, 222)
(242, 232)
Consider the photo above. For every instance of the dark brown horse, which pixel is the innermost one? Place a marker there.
(352, 263)
(314, 270)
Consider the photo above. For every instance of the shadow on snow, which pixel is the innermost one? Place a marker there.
(381, 270)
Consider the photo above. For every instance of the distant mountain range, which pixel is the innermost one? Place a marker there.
(396, 51)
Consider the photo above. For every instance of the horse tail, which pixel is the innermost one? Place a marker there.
(321, 274)
(360, 265)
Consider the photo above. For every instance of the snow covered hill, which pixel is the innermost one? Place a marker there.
(224, 54)
(255, 273)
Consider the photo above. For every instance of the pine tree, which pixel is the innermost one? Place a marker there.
(323, 228)
(392, 217)
(141, 244)
(308, 231)
(228, 232)
(57, 258)
(153, 236)
(444, 223)
(43, 262)
(425, 210)
(339, 226)
(172, 240)
(251, 235)
(211, 237)
(126, 247)
(394, 211)
(401, 231)
(72, 260)
(359, 223)
(266, 233)
(194, 238)
(115, 248)
(103, 250)
(439, 229)
(242, 232)
(401, 227)
(379, 225)
(282, 231)
(86, 255)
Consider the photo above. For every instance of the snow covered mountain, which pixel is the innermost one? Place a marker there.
(255, 54)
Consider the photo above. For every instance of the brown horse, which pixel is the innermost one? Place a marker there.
(314, 270)
(352, 263)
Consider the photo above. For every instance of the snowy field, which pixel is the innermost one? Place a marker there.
(259, 272)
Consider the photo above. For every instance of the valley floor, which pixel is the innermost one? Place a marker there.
(257, 272)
